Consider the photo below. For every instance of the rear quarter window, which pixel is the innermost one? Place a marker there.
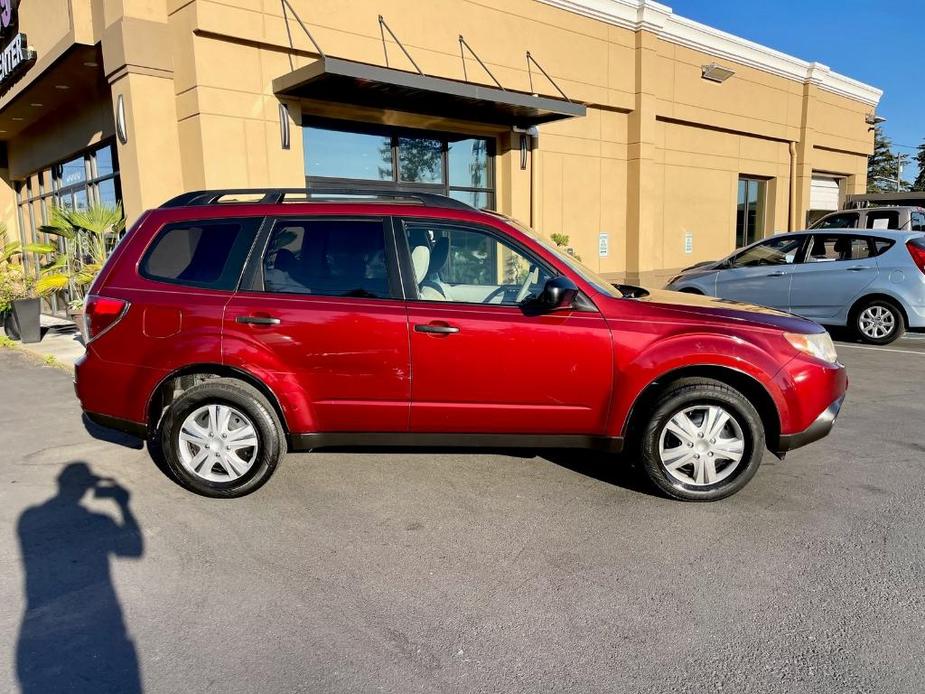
(881, 246)
(208, 254)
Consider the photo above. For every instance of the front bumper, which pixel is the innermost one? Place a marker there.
(820, 428)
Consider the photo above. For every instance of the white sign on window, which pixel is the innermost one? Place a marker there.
(603, 244)
(688, 242)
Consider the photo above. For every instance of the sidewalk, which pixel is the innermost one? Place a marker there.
(60, 339)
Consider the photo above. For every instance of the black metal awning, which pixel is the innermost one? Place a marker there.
(361, 84)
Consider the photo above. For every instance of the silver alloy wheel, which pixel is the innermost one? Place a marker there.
(701, 445)
(877, 322)
(218, 443)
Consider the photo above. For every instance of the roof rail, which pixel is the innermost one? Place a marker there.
(268, 196)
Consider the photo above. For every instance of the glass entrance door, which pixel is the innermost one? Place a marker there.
(750, 211)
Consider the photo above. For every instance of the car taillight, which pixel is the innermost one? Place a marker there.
(916, 248)
(101, 313)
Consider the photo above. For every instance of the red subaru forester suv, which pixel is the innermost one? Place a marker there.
(231, 326)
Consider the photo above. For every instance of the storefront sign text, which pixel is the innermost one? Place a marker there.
(15, 59)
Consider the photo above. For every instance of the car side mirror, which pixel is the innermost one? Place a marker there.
(559, 293)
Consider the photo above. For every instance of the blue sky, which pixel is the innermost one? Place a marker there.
(876, 42)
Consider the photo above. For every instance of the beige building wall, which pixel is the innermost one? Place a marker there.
(657, 157)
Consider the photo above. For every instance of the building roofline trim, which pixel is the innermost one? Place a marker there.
(660, 19)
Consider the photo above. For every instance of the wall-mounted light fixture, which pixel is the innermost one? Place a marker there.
(525, 135)
(284, 140)
(121, 127)
(874, 119)
(716, 73)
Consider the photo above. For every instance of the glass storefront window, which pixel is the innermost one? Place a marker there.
(420, 160)
(107, 192)
(479, 199)
(72, 172)
(454, 166)
(104, 165)
(90, 177)
(340, 154)
(80, 199)
(468, 163)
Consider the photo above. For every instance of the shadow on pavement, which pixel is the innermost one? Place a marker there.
(111, 435)
(617, 470)
(73, 637)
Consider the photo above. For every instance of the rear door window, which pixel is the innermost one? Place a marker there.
(838, 221)
(828, 248)
(329, 257)
(883, 219)
(208, 254)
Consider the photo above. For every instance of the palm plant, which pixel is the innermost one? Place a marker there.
(15, 282)
(89, 236)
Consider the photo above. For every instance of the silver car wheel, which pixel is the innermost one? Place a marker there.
(701, 445)
(218, 443)
(876, 322)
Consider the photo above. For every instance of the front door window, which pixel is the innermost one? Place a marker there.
(471, 265)
(778, 251)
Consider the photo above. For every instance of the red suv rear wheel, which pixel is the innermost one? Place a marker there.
(222, 438)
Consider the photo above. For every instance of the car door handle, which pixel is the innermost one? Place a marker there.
(436, 329)
(257, 320)
(776, 274)
(856, 269)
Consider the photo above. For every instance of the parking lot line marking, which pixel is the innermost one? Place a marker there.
(881, 349)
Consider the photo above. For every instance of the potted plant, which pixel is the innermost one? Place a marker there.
(89, 237)
(19, 297)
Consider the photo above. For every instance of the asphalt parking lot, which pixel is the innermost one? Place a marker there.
(399, 572)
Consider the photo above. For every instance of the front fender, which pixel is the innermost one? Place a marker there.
(680, 351)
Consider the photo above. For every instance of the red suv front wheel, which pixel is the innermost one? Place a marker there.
(703, 442)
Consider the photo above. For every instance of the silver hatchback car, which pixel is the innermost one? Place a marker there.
(872, 281)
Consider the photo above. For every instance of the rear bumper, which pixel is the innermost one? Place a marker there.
(820, 428)
(114, 430)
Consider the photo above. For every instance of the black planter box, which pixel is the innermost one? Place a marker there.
(9, 325)
(26, 313)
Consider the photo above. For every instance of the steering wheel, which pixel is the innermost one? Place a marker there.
(532, 277)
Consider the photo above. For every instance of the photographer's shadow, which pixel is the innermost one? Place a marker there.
(73, 637)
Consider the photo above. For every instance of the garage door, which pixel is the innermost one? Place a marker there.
(823, 194)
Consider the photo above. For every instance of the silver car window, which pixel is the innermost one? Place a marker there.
(777, 251)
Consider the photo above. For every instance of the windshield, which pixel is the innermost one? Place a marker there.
(587, 274)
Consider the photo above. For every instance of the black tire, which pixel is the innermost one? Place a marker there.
(249, 401)
(691, 392)
(899, 322)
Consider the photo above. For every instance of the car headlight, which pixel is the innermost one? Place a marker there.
(819, 345)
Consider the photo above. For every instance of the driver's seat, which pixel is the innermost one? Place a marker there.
(432, 287)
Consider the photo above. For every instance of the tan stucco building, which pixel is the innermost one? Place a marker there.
(651, 166)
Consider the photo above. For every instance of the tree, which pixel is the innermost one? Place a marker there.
(883, 166)
(919, 183)
(419, 160)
